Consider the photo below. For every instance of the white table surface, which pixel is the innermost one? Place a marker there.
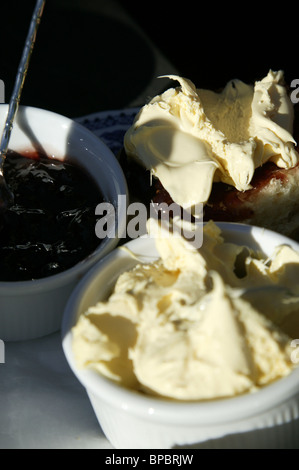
(42, 405)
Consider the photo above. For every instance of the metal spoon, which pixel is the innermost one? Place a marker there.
(6, 195)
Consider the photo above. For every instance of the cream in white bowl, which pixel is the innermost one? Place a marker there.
(266, 417)
(34, 308)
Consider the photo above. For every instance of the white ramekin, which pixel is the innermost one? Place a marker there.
(31, 309)
(268, 418)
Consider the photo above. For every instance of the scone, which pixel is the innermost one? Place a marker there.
(233, 151)
(273, 201)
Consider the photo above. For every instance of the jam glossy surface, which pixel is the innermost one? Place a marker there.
(51, 226)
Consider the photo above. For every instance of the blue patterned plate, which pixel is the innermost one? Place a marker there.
(110, 126)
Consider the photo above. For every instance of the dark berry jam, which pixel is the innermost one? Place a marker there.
(51, 226)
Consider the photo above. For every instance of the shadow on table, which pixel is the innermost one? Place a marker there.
(283, 436)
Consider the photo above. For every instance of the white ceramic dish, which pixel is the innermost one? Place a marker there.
(31, 309)
(268, 418)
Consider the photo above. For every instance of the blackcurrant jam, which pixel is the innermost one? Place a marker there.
(51, 225)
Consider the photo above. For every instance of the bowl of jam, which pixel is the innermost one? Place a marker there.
(59, 173)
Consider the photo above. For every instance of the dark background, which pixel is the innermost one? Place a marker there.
(213, 42)
(85, 62)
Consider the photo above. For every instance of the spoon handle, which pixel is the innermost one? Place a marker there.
(20, 78)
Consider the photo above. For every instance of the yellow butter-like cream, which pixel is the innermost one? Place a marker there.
(190, 138)
(182, 327)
